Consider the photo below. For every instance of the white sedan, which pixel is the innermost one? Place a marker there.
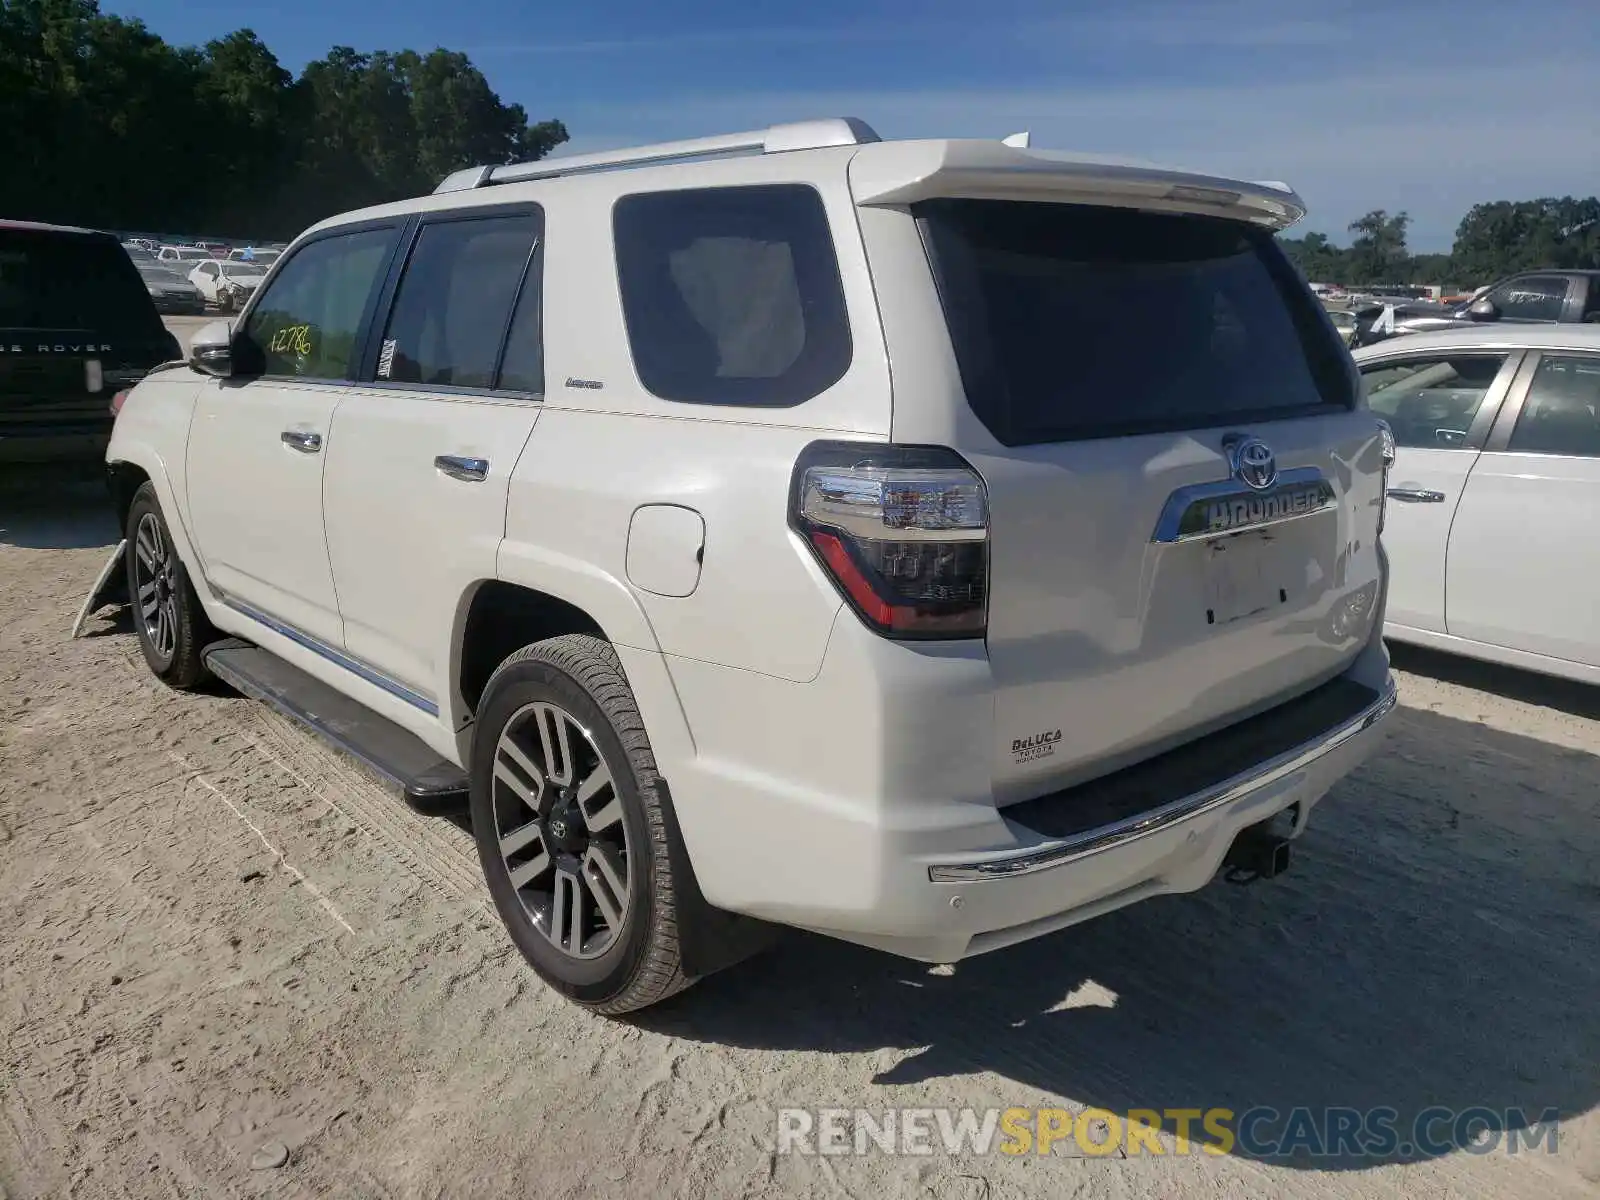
(226, 284)
(1494, 492)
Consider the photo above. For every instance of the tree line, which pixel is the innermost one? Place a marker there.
(1492, 241)
(103, 123)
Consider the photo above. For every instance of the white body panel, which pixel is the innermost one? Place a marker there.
(819, 772)
(256, 502)
(1098, 633)
(1523, 557)
(1417, 531)
(384, 498)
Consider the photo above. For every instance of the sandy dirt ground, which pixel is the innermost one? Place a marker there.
(223, 947)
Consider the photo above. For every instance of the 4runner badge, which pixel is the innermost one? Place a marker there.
(1039, 745)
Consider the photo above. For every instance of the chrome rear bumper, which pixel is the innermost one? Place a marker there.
(1060, 851)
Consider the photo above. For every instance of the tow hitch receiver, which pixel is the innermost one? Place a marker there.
(1256, 854)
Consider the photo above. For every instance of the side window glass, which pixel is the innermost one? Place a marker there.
(1431, 402)
(732, 295)
(523, 367)
(1531, 298)
(1591, 306)
(1562, 412)
(450, 312)
(307, 322)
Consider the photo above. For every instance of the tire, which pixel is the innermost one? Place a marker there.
(555, 843)
(171, 625)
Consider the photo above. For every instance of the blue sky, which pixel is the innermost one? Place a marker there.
(1400, 104)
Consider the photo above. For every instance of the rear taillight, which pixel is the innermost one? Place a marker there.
(116, 401)
(903, 531)
(1386, 437)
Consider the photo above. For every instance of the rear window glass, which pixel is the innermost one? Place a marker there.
(732, 295)
(1080, 322)
(63, 281)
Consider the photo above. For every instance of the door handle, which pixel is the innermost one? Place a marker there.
(301, 440)
(1416, 495)
(468, 470)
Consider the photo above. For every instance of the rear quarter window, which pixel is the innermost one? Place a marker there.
(732, 295)
(1073, 322)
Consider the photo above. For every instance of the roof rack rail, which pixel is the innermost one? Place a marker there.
(799, 135)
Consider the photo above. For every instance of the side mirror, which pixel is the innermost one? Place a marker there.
(211, 349)
(1483, 310)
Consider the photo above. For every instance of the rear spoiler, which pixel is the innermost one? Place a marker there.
(899, 173)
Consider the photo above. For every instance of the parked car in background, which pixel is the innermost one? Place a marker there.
(1567, 297)
(184, 254)
(172, 292)
(827, 588)
(1345, 322)
(227, 285)
(77, 324)
(1494, 492)
(262, 256)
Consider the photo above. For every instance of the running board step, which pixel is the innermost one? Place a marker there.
(429, 782)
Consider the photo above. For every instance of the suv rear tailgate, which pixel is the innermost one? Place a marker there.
(1117, 360)
(1108, 646)
(69, 299)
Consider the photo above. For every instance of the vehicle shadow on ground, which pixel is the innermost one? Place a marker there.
(1428, 949)
(1547, 691)
(65, 508)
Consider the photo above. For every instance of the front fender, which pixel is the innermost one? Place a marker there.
(152, 434)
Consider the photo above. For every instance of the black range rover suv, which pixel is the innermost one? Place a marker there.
(77, 325)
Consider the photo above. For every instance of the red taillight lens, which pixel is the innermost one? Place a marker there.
(902, 530)
(116, 401)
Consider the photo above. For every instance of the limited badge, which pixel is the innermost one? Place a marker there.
(1035, 746)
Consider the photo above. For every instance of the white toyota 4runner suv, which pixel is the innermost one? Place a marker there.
(931, 544)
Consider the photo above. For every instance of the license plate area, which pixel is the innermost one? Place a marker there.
(1246, 576)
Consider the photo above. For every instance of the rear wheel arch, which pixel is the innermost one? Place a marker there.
(707, 939)
(496, 619)
(542, 597)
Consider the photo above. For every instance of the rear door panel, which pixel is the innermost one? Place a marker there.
(1523, 559)
(1432, 463)
(1425, 487)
